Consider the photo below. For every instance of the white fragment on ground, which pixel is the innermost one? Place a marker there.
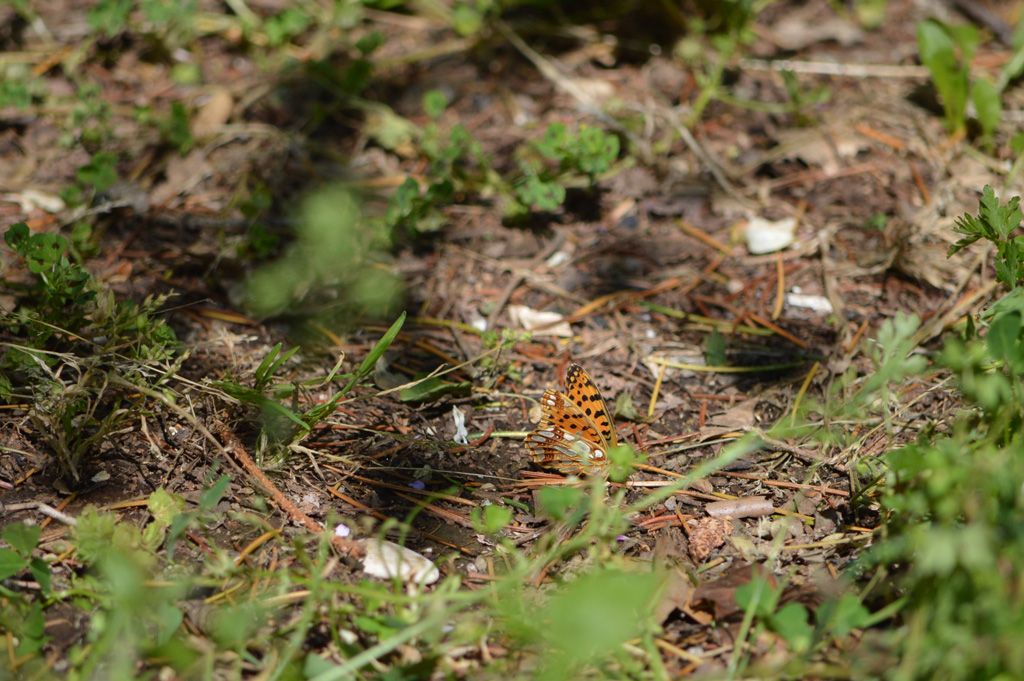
(768, 236)
(540, 322)
(30, 199)
(816, 303)
(461, 434)
(656, 362)
(388, 560)
(342, 530)
(557, 258)
(480, 324)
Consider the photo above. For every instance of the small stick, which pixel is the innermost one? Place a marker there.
(803, 390)
(45, 509)
(824, 68)
(780, 287)
(703, 237)
(657, 389)
(233, 446)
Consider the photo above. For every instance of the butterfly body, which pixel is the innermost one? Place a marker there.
(576, 430)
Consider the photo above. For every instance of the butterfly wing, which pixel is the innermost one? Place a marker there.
(580, 389)
(558, 410)
(554, 447)
(575, 431)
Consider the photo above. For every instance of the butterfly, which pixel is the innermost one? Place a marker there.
(575, 430)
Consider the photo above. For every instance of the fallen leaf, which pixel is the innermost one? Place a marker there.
(388, 560)
(30, 199)
(675, 596)
(213, 113)
(819, 304)
(182, 175)
(825, 147)
(767, 236)
(656, 362)
(540, 322)
(720, 594)
(800, 29)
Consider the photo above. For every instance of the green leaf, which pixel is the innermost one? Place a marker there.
(100, 171)
(552, 145)
(314, 665)
(376, 353)
(557, 502)
(466, 20)
(491, 519)
(540, 194)
(369, 43)
(287, 25)
(22, 538)
(791, 623)
(936, 48)
(42, 252)
(434, 103)
(714, 349)
(843, 616)
(109, 17)
(1004, 339)
(16, 235)
(165, 13)
(164, 506)
(596, 150)
(232, 626)
(434, 388)
(988, 105)
(270, 364)
(32, 631)
(211, 497)
(40, 570)
(176, 129)
(758, 594)
(11, 563)
(621, 458)
(625, 408)
(118, 546)
(389, 129)
(591, 618)
(168, 619)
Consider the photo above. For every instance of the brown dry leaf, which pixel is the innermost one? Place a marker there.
(675, 596)
(706, 535)
(183, 174)
(804, 27)
(720, 594)
(825, 146)
(744, 507)
(670, 543)
(213, 114)
(737, 417)
(919, 249)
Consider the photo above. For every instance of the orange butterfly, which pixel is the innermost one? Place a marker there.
(575, 430)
